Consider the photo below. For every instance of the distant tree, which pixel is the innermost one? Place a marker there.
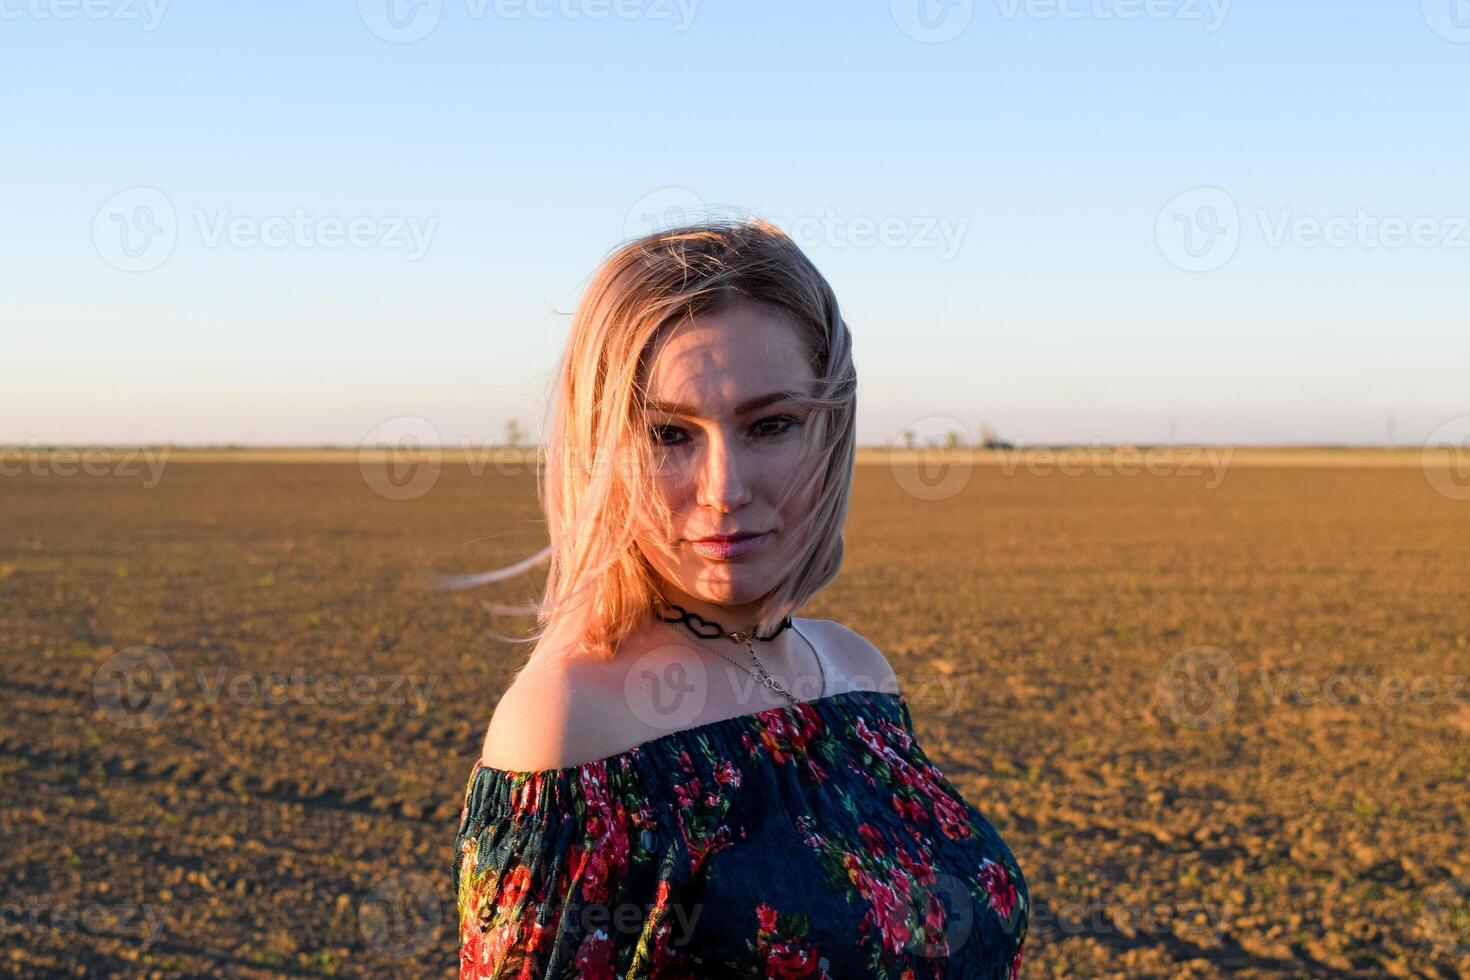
(514, 433)
(951, 440)
(908, 438)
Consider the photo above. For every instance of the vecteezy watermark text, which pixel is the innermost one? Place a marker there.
(89, 461)
(1363, 687)
(137, 229)
(138, 687)
(941, 466)
(1363, 229)
(1199, 688)
(936, 21)
(301, 230)
(148, 13)
(301, 686)
(1201, 229)
(406, 21)
(144, 921)
(1211, 14)
(1119, 461)
(1156, 918)
(670, 207)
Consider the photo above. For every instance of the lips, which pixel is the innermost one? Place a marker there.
(726, 547)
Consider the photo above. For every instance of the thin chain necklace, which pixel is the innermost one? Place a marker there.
(760, 672)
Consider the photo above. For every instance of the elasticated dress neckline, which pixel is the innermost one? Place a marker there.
(811, 839)
(683, 734)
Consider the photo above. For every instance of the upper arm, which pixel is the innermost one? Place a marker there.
(537, 855)
(548, 720)
(529, 727)
(863, 663)
(542, 846)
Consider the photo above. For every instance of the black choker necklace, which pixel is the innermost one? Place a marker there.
(709, 629)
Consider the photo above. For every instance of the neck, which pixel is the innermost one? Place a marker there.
(732, 618)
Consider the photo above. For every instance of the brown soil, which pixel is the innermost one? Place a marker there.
(1047, 629)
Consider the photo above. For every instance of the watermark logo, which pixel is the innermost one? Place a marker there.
(663, 210)
(937, 468)
(399, 458)
(943, 909)
(135, 230)
(1445, 458)
(1199, 229)
(1198, 687)
(402, 915)
(1446, 917)
(932, 21)
(135, 688)
(1450, 19)
(667, 687)
(400, 21)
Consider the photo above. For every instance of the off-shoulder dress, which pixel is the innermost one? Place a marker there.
(807, 840)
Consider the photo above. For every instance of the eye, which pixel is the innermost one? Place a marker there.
(776, 425)
(659, 434)
(766, 428)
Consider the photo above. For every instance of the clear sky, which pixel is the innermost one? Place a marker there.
(285, 223)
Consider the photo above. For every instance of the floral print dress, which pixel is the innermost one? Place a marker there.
(808, 840)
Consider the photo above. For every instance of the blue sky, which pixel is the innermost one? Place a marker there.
(1096, 215)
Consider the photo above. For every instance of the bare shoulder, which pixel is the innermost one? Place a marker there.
(574, 711)
(551, 719)
(859, 663)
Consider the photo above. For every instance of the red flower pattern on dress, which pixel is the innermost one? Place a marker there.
(873, 838)
(998, 885)
(1015, 972)
(788, 733)
(594, 957)
(785, 955)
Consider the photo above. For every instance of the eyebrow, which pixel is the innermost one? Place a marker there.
(745, 407)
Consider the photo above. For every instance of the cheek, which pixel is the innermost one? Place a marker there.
(655, 537)
(657, 553)
(672, 473)
(672, 486)
(799, 507)
(784, 471)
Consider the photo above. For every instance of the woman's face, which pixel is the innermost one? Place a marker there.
(727, 440)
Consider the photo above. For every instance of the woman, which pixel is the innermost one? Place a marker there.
(683, 781)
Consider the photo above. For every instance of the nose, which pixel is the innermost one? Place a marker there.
(721, 482)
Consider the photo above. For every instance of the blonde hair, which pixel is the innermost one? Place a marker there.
(595, 479)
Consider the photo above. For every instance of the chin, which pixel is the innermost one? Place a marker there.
(725, 586)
